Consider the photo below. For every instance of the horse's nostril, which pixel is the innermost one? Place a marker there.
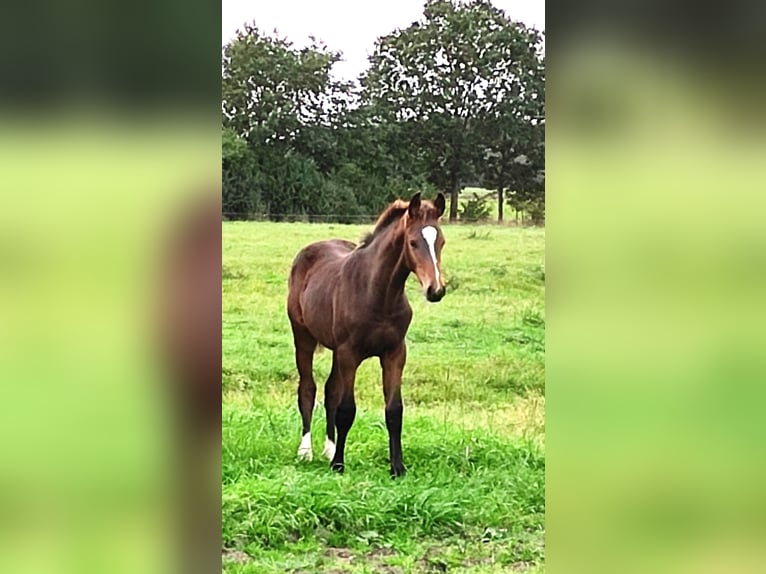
(434, 295)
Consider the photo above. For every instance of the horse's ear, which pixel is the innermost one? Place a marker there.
(440, 203)
(414, 205)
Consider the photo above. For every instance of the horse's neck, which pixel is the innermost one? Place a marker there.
(387, 271)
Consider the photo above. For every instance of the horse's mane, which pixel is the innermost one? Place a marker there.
(392, 213)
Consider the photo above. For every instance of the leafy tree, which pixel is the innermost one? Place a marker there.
(284, 103)
(374, 162)
(475, 209)
(454, 99)
(240, 182)
(513, 133)
(442, 77)
(272, 92)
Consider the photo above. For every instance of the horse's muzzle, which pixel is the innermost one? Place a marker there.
(435, 295)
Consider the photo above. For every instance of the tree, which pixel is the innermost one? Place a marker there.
(272, 92)
(513, 133)
(442, 77)
(374, 163)
(240, 183)
(283, 103)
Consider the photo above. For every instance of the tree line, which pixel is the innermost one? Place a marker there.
(456, 99)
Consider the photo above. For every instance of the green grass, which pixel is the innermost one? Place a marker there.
(473, 438)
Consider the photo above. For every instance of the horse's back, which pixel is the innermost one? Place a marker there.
(319, 254)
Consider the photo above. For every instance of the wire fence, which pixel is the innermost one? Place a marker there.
(513, 220)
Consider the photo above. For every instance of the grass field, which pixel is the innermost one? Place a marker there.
(473, 437)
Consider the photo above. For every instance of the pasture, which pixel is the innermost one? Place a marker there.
(473, 435)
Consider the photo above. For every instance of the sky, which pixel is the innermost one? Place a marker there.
(348, 26)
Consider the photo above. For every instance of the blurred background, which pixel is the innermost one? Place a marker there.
(655, 363)
(109, 253)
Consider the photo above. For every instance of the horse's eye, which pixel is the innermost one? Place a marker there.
(413, 244)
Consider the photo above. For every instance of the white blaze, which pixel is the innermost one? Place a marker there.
(304, 450)
(429, 234)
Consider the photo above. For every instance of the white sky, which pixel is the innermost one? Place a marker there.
(348, 26)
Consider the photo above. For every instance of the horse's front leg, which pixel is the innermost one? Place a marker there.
(340, 404)
(392, 364)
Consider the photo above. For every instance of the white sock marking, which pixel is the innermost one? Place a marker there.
(429, 234)
(329, 449)
(304, 450)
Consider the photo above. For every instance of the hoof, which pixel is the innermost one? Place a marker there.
(338, 467)
(304, 450)
(398, 470)
(329, 449)
(305, 454)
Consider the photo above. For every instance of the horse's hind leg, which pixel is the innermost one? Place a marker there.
(305, 345)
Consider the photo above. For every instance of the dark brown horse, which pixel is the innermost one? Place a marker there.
(351, 300)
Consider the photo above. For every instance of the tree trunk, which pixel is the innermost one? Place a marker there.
(453, 199)
(500, 204)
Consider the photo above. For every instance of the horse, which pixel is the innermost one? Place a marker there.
(350, 299)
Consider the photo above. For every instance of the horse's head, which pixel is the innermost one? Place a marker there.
(423, 244)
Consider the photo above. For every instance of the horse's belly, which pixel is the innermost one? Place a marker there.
(317, 316)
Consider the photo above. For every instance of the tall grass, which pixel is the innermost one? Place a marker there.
(473, 498)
